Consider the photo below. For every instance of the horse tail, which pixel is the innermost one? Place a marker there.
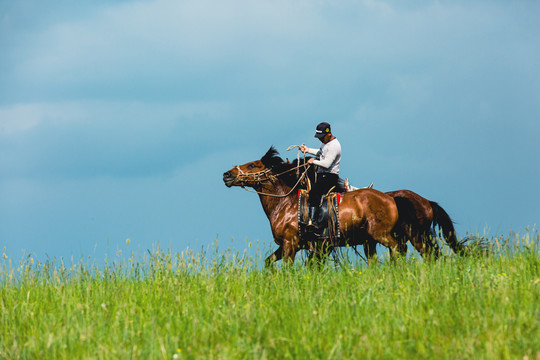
(445, 223)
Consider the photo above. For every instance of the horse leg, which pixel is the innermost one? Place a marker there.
(370, 250)
(276, 256)
(393, 246)
(400, 247)
(426, 245)
(314, 257)
(289, 251)
(431, 247)
(419, 245)
(401, 241)
(319, 253)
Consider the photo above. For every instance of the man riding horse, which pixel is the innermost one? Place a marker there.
(327, 161)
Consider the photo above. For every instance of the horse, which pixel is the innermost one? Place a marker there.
(366, 216)
(418, 218)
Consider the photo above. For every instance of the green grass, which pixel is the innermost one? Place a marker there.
(170, 305)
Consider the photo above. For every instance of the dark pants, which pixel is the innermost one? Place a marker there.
(325, 181)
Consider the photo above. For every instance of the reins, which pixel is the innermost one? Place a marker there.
(275, 176)
(262, 176)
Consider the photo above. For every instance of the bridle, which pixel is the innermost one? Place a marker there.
(250, 179)
(247, 179)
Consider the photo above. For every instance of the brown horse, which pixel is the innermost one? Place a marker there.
(366, 216)
(418, 218)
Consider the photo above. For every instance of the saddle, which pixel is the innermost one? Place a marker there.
(328, 218)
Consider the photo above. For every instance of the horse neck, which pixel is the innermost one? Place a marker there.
(276, 205)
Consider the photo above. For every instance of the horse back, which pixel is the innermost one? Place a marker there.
(368, 208)
(413, 208)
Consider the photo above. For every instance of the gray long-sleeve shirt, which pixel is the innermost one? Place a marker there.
(329, 157)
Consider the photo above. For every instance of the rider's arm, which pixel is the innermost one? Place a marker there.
(305, 149)
(328, 159)
(326, 162)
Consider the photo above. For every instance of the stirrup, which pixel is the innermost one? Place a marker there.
(313, 230)
(312, 225)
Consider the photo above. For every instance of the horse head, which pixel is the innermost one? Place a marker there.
(255, 172)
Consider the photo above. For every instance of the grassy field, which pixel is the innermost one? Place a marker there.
(193, 306)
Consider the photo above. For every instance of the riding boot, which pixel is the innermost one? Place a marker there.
(313, 224)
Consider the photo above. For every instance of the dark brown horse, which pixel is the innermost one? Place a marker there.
(366, 216)
(418, 218)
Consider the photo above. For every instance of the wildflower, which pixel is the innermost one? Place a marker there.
(127, 241)
(4, 256)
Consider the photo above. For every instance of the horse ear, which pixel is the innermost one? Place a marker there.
(288, 162)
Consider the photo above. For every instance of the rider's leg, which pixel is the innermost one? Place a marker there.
(324, 183)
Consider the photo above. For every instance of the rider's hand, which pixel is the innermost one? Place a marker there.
(303, 148)
(311, 160)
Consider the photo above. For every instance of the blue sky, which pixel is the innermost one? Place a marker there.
(118, 118)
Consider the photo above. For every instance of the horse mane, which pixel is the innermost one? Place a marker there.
(285, 169)
(273, 161)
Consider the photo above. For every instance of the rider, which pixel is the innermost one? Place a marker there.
(327, 162)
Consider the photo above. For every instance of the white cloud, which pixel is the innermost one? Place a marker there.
(208, 49)
(24, 117)
(97, 138)
(189, 32)
(17, 119)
